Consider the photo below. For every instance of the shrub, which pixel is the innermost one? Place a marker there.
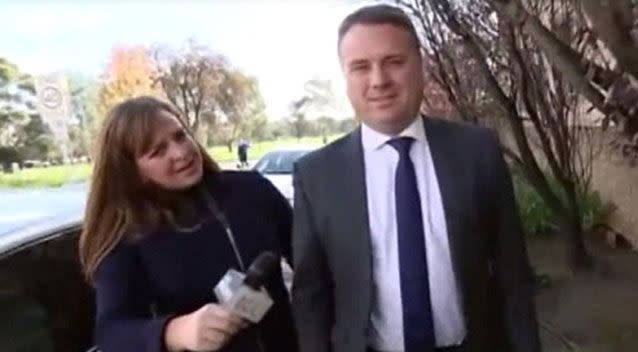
(538, 219)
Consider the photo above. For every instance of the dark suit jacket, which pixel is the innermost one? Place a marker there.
(141, 285)
(332, 288)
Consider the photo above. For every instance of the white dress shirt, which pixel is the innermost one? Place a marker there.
(386, 320)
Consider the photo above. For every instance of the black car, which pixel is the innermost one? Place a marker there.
(45, 302)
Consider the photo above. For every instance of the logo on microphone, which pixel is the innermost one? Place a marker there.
(244, 294)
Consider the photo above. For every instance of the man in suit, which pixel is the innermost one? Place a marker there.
(406, 235)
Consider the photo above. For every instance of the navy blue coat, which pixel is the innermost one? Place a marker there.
(141, 285)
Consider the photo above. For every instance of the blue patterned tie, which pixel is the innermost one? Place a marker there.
(418, 327)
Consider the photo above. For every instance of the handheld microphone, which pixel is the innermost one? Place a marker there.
(243, 294)
(263, 266)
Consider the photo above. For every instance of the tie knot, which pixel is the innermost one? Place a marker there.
(402, 145)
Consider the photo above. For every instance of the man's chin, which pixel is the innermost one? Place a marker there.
(390, 119)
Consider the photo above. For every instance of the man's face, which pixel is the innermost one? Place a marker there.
(384, 75)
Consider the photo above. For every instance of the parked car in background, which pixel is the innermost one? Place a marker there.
(277, 166)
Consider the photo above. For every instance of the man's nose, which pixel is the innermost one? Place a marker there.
(379, 77)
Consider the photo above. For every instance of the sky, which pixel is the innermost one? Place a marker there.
(284, 43)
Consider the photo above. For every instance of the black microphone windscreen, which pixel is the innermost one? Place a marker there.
(262, 267)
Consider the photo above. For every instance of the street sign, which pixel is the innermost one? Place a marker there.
(54, 105)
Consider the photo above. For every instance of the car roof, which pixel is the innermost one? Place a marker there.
(40, 230)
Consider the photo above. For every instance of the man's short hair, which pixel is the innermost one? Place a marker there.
(379, 14)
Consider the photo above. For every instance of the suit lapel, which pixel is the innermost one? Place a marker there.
(446, 169)
(356, 205)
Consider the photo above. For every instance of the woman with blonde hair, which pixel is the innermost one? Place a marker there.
(163, 224)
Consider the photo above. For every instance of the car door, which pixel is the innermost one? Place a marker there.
(45, 303)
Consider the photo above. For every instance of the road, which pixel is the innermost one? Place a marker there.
(19, 206)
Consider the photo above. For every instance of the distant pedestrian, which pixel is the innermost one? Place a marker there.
(242, 153)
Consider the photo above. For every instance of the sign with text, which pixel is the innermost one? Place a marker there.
(54, 103)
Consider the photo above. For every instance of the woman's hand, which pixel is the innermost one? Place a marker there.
(207, 329)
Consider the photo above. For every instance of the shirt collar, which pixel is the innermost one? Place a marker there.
(374, 140)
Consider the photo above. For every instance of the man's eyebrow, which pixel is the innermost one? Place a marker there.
(394, 56)
(357, 62)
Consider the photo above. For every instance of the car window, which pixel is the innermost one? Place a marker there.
(278, 162)
(46, 304)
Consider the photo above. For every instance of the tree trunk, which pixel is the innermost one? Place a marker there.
(195, 126)
(579, 259)
(202, 134)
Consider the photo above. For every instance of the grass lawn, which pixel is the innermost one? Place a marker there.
(53, 176)
(221, 154)
(56, 176)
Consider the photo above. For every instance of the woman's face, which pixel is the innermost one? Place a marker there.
(173, 160)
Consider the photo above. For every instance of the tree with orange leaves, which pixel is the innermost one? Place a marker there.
(129, 73)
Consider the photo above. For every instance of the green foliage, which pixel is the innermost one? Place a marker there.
(36, 141)
(535, 214)
(8, 71)
(594, 210)
(322, 126)
(8, 156)
(84, 92)
(23, 134)
(537, 217)
(257, 128)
